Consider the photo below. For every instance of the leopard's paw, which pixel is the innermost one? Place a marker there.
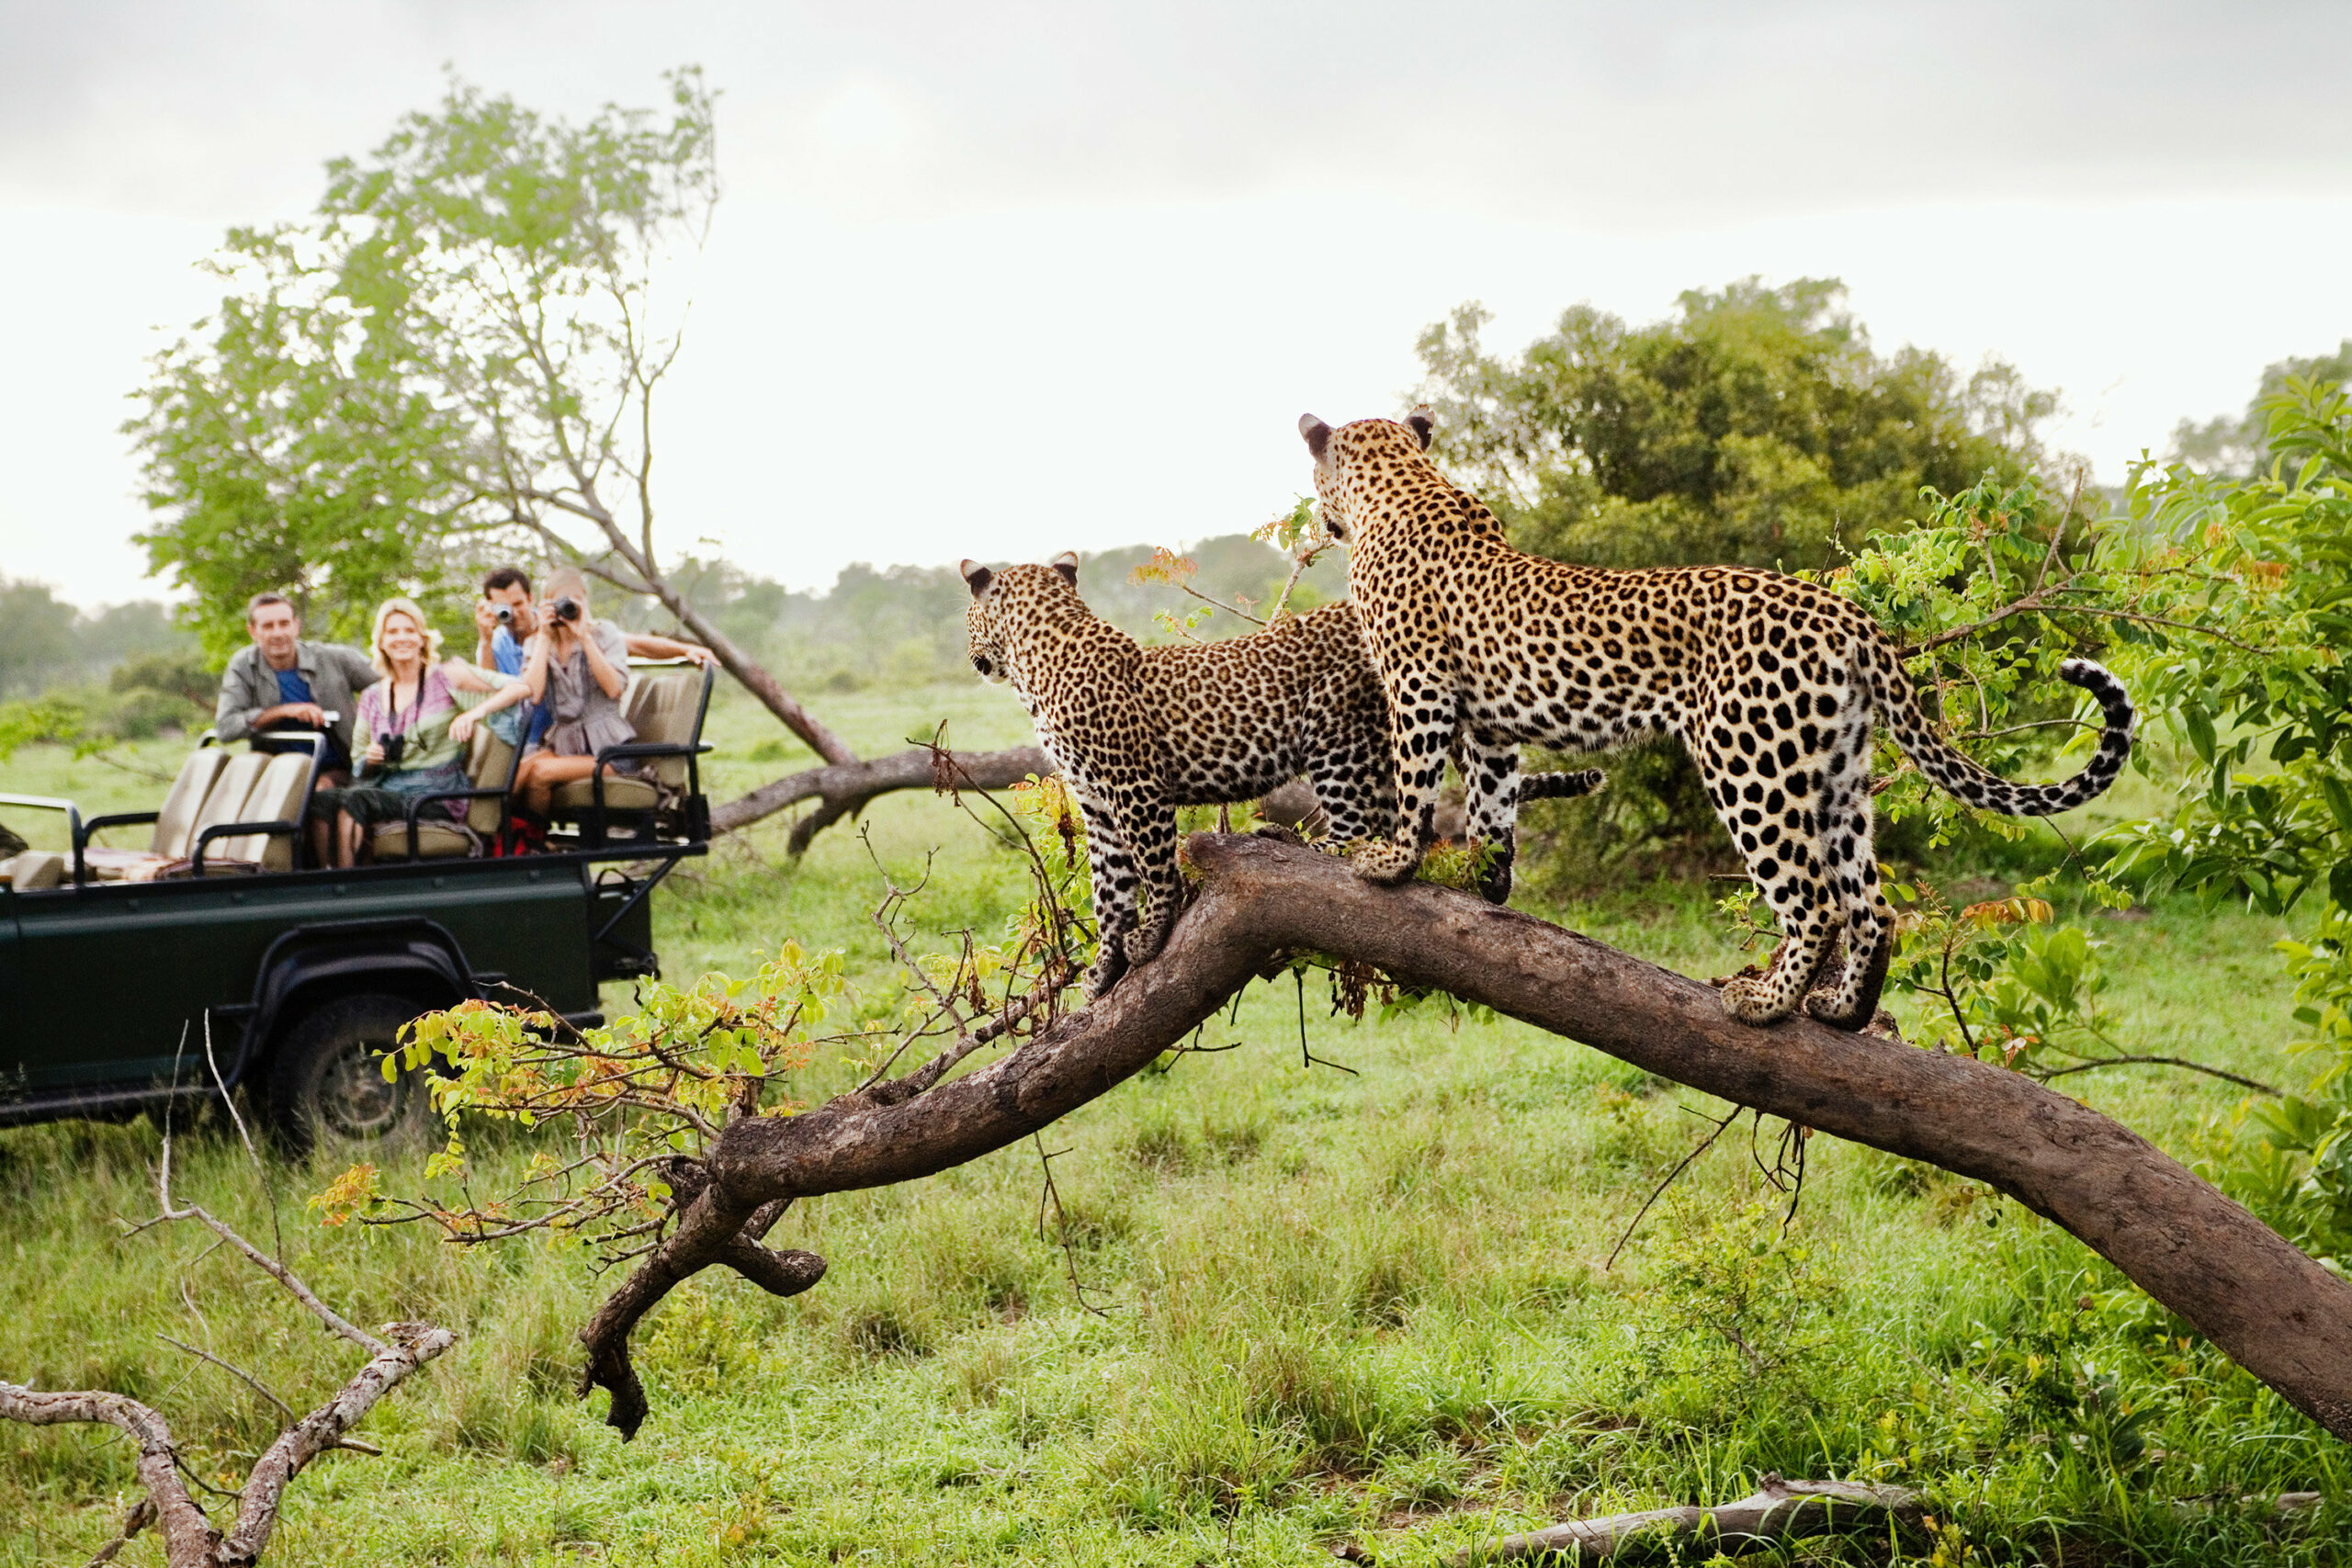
(1278, 833)
(1108, 967)
(1822, 1005)
(1750, 1001)
(1144, 943)
(1384, 860)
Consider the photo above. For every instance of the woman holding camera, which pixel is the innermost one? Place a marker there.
(418, 719)
(578, 669)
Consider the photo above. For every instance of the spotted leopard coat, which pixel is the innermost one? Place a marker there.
(1138, 731)
(1770, 681)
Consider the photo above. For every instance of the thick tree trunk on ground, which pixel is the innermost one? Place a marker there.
(844, 788)
(2279, 1313)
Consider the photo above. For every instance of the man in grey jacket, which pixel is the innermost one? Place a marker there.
(282, 684)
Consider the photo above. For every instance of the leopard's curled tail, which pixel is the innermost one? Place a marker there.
(1898, 705)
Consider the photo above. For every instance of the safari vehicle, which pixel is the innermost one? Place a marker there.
(214, 959)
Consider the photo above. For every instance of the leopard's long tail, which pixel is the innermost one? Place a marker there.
(1560, 787)
(1898, 705)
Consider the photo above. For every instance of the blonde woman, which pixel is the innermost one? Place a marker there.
(417, 722)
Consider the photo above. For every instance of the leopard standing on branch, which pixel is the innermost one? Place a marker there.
(1137, 731)
(1770, 682)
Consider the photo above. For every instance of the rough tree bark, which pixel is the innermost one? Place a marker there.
(2279, 1313)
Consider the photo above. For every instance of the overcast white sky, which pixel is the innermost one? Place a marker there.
(1001, 279)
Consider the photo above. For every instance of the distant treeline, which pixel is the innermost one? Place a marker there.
(46, 642)
(904, 625)
(892, 626)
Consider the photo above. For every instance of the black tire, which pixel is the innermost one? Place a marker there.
(327, 1090)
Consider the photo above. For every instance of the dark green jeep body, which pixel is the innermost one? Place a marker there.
(115, 996)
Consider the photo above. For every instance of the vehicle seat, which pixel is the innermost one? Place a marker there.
(277, 795)
(490, 764)
(225, 802)
(34, 870)
(175, 833)
(660, 708)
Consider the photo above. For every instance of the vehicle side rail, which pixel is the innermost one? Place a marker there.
(418, 803)
(631, 750)
(72, 820)
(234, 830)
(97, 825)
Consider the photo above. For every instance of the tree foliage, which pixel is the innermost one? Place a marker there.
(1757, 425)
(454, 355)
(2239, 447)
(37, 642)
(2225, 605)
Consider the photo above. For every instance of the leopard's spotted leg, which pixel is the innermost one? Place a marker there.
(1851, 1000)
(1422, 721)
(1152, 836)
(1356, 786)
(1768, 798)
(1490, 783)
(1111, 870)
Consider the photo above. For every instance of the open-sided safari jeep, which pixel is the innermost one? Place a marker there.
(213, 958)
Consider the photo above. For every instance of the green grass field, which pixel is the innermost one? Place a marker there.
(1296, 1305)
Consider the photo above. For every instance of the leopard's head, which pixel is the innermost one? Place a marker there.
(1339, 490)
(1001, 599)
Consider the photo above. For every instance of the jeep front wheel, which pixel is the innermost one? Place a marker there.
(327, 1085)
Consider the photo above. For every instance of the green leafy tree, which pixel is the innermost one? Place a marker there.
(456, 358)
(1757, 426)
(2224, 603)
(289, 449)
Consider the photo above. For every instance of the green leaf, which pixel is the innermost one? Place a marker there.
(2339, 884)
(2200, 725)
(2339, 801)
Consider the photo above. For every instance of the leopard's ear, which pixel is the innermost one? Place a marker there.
(978, 576)
(1317, 433)
(1067, 564)
(1421, 422)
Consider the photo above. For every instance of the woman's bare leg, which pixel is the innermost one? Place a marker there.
(541, 773)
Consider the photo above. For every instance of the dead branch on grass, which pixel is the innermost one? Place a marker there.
(1777, 1511)
(190, 1539)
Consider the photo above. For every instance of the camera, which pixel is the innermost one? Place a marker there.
(567, 609)
(395, 746)
(503, 614)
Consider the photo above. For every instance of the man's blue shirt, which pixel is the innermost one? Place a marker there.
(505, 652)
(293, 688)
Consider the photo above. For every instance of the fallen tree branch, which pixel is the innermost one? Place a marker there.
(2279, 1314)
(844, 788)
(189, 1538)
(1777, 1510)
